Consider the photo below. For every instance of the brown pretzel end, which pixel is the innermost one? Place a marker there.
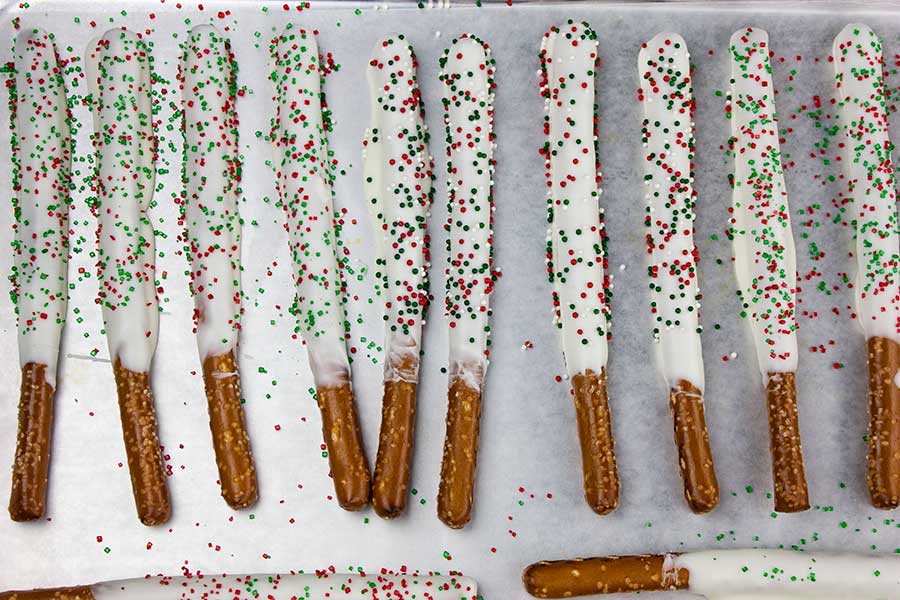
(884, 423)
(72, 593)
(457, 487)
(340, 427)
(598, 453)
(234, 459)
(139, 429)
(395, 442)
(604, 575)
(788, 476)
(32, 460)
(701, 488)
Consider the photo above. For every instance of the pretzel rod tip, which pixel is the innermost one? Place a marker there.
(457, 487)
(598, 455)
(340, 427)
(234, 459)
(604, 575)
(884, 422)
(788, 474)
(32, 461)
(145, 465)
(71, 593)
(701, 488)
(392, 464)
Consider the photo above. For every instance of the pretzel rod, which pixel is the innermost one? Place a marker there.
(718, 574)
(42, 155)
(467, 78)
(668, 138)
(764, 256)
(860, 90)
(305, 179)
(125, 145)
(212, 225)
(398, 187)
(318, 585)
(576, 246)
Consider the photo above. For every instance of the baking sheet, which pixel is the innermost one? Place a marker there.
(529, 502)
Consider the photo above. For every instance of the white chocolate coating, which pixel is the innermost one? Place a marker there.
(764, 256)
(788, 574)
(398, 178)
(304, 179)
(318, 586)
(44, 154)
(859, 83)
(575, 236)
(664, 72)
(212, 176)
(467, 75)
(119, 77)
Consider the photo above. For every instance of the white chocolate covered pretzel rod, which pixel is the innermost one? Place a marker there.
(575, 248)
(859, 83)
(40, 268)
(764, 256)
(398, 184)
(664, 72)
(213, 235)
(315, 586)
(724, 575)
(304, 180)
(125, 144)
(467, 78)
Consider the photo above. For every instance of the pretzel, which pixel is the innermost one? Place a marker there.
(398, 185)
(764, 256)
(43, 154)
(467, 81)
(305, 179)
(119, 79)
(859, 83)
(576, 253)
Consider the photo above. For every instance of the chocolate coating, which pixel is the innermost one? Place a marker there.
(695, 460)
(788, 475)
(32, 461)
(395, 443)
(884, 423)
(598, 451)
(603, 575)
(457, 487)
(237, 473)
(340, 427)
(145, 465)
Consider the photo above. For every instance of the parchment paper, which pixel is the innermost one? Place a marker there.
(529, 502)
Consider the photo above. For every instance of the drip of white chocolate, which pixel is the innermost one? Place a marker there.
(398, 183)
(467, 76)
(118, 66)
(576, 267)
(870, 173)
(42, 201)
(764, 255)
(304, 179)
(211, 178)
